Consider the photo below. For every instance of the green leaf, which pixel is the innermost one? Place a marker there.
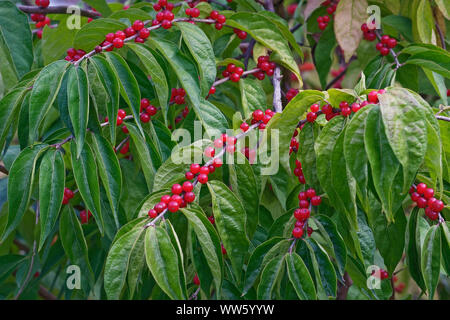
(256, 262)
(51, 191)
(43, 94)
(433, 60)
(9, 111)
(230, 220)
(78, 104)
(244, 184)
(300, 277)
(162, 260)
(16, 34)
(20, 183)
(444, 6)
(390, 238)
(129, 88)
(86, 177)
(358, 165)
(75, 246)
(431, 259)
(94, 32)
(119, 258)
(288, 120)
(111, 84)
(110, 172)
(423, 22)
(56, 40)
(201, 49)
(413, 248)
(253, 96)
(157, 74)
(349, 16)
(269, 278)
(405, 130)
(307, 155)
(209, 242)
(326, 270)
(143, 151)
(386, 170)
(323, 55)
(263, 30)
(212, 119)
(445, 246)
(101, 6)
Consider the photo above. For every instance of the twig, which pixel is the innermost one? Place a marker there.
(344, 287)
(45, 294)
(393, 54)
(228, 78)
(442, 109)
(276, 81)
(296, 27)
(443, 118)
(248, 52)
(58, 145)
(3, 170)
(57, 9)
(292, 245)
(269, 6)
(195, 294)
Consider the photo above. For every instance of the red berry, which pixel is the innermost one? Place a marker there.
(144, 117)
(173, 206)
(125, 130)
(166, 24)
(372, 97)
(217, 162)
(196, 280)
(130, 32)
(421, 187)
(118, 43)
(121, 113)
(195, 12)
(204, 170)
(177, 189)
(189, 175)
(437, 206)
(152, 213)
(302, 195)
(68, 193)
(310, 193)
(310, 231)
(151, 110)
(428, 193)
(119, 121)
(311, 117)
(177, 198)
(120, 35)
(187, 186)
(346, 111)
(203, 178)
(165, 198)
(195, 168)
(258, 115)
(297, 232)
(303, 204)
(327, 109)
(211, 219)
(190, 196)
(65, 200)
(209, 152)
(224, 251)
(385, 39)
(43, 3)
(384, 51)
(214, 14)
(301, 214)
(415, 196)
(322, 25)
(316, 200)
(430, 202)
(221, 18)
(355, 107)
(218, 143)
(421, 202)
(315, 108)
(235, 77)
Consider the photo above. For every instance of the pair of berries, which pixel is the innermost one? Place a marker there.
(85, 216)
(323, 22)
(294, 145)
(386, 44)
(424, 198)
(372, 97)
(266, 67)
(382, 274)
(369, 33)
(233, 72)
(42, 3)
(74, 54)
(298, 172)
(126, 147)
(177, 95)
(240, 33)
(120, 115)
(147, 110)
(259, 116)
(192, 12)
(219, 18)
(332, 5)
(42, 23)
(68, 194)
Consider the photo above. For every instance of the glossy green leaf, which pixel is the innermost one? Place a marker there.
(323, 53)
(101, 6)
(78, 104)
(156, 72)
(51, 191)
(300, 277)
(86, 177)
(118, 260)
(431, 259)
(326, 270)
(75, 246)
(43, 94)
(413, 248)
(162, 260)
(129, 88)
(94, 32)
(269, 277)
(307, 155)
(201, 49)
(111, 85)
(230, 219)
(110, 172)
(20, 183)
(9, 111)
(445, 241)
(253, 96)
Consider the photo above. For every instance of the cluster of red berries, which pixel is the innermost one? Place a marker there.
(298, 172)
(211, 91)
(382, 274)
(220, 19)
(331, 5)
(42, 3)
(74, 54)
(147, 110)
(85, 216)
(369, 33)
(294, 145)
(184, 114)
(165, 16)
(120, 115)
(291, 93)
(68, 194)
(424, 198)
(258, 116)
(117, 38)
(177, 95)
(323, 22)
(302, 214)
(386, 44)
(229, 142)
(192, 12)
(126, 146)
(266, 67)
(233, 72)
(240, 33)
